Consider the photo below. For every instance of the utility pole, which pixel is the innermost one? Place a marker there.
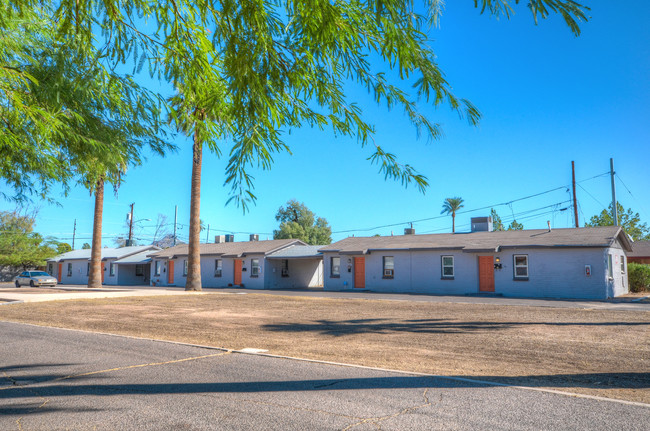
(614, 204)
(575, 200)
(130, 240)
(74, 232)
(207, 237)
(175, 219)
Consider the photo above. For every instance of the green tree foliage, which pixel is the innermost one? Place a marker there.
(451, 206)
(85, 246)
(20, 246)
(63, 247)
(249, 71)
(627, 219)
(515, 226)
(639, 277)
(497, 223)
(299, 222)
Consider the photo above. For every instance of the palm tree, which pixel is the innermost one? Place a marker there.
(450, 206)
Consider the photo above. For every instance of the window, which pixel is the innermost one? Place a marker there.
(139, 270)
(285, 267)
(521, 265)
(184, 267)
(335, 267)
(217, 268)
(389, 267)
(156, 267)
(88, 269)
(111, 270)
(610, 268)
(447, 266)
(622, 264)
(69, 270)
(50, 268)
(255, 267)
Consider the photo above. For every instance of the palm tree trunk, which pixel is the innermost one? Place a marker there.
(193, 281)
(453, 222)
(95, 275)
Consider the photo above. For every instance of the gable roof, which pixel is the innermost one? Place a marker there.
(230, 249)
(297, 252)
(486, 241)
(107, 253)
(640, 249)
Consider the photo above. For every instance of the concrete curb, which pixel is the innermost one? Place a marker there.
(340, 364)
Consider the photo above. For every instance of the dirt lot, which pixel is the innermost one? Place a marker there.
(598, 352)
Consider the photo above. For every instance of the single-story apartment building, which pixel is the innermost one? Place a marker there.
(271, 264)
(120, 266)
(588, 263)
(640, 252)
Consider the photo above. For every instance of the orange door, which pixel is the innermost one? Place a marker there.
(103, 271)
(237, 279)
(486, 274)
(359, 272)
(59, 275)
(170, 274)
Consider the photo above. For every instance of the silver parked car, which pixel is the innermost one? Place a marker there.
(35, 278)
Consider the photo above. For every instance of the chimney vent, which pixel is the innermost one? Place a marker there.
(549, 225)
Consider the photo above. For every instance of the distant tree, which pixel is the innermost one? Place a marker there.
(299, 222)
(61, 247)
(167, 241)
(86, 246)
(20, 246)
(627, 219)
(497, 224)
(450, 206)
(515, 226)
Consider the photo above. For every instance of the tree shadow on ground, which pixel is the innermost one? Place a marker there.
(426, 326)
(567, 381)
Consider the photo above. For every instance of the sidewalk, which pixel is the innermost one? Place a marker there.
(9, 293)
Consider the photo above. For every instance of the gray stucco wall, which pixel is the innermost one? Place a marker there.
(79, 271)
(126, 275)
(553, 273)
(302, 273)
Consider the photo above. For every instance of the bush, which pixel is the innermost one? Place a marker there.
(639, 277)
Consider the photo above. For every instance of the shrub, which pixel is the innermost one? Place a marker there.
(639, 277)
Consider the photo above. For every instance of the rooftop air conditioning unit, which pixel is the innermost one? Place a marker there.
(254, 237)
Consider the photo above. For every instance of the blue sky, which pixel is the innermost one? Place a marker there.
(547, 98)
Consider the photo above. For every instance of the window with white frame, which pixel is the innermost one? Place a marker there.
(255, 267)
(610, 267)
(156, 267)
(622, 264)
(139, 270)
(520, 265)
(69, 270)
(285, 267)
(185, 267)
(335, 267)
(218, 269)
(111, 270)
(388, 267)
(447, 263)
